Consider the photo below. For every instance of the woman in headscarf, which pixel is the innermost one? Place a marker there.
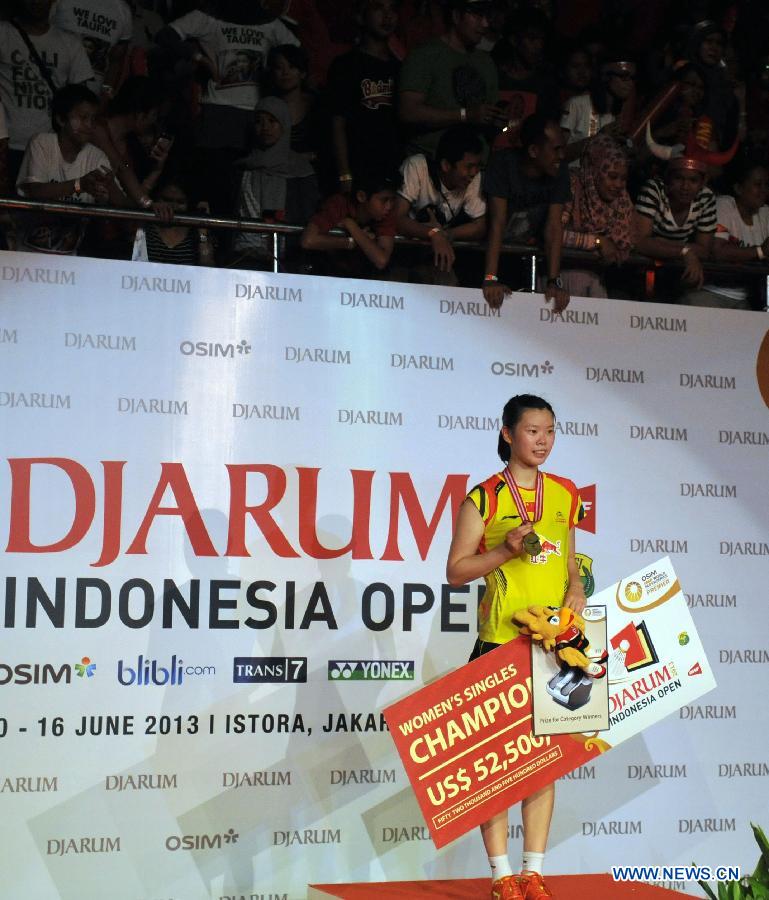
(598, 217)
(276, 185)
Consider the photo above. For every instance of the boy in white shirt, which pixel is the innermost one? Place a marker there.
(441, 202)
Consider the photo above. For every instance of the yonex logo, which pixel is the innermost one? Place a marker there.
(370, 670)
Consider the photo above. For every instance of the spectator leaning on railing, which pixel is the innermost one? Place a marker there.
(275, 184)
(441, 202)
(128, 135)
(63, 164)
(675, 217)
(599, 216)
(172, 243)
(742, 231)
(367, 214)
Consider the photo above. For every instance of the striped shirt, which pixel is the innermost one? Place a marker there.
(653, 202)
(185, 253)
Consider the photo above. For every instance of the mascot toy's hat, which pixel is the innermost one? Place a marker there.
(695, 154)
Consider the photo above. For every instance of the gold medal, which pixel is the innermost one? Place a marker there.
(531, 544)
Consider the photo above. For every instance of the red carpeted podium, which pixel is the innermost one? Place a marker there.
(564, 887)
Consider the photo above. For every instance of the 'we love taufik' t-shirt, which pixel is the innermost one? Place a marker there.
(99, 25)
(238, 53)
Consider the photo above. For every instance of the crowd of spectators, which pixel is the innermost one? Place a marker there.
(485, 121)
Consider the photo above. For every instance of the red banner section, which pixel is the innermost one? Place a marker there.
(467, 746)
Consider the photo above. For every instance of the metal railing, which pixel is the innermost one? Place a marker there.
(531, 253)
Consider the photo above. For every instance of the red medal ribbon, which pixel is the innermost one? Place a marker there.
(539, 496)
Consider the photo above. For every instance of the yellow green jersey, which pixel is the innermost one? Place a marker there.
(524, 580)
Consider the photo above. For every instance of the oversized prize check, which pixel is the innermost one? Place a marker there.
(466, 740)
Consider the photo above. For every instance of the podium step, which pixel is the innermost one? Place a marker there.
(564, 887)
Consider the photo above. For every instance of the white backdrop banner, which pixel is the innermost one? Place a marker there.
(225, 504)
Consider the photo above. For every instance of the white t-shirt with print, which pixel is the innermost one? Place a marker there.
(731, 227)
(582, 121)
(420, 191)
(238, 52)
(43, 163)
(99, 25)
(24, 92)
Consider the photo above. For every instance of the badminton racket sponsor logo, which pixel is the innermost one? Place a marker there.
(370, 670)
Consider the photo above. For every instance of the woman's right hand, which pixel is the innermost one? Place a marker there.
(514, 538)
